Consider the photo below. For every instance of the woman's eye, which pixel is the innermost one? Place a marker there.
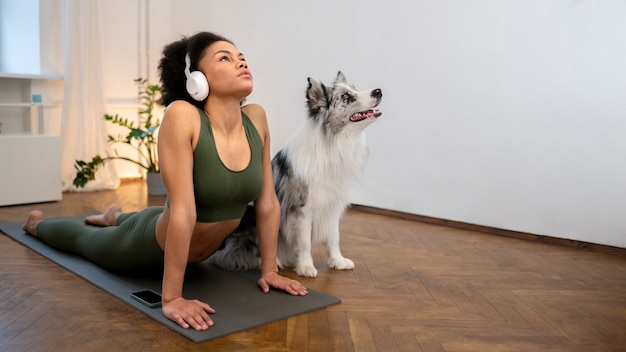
(224, 58)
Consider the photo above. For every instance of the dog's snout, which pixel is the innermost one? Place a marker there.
(377, 93)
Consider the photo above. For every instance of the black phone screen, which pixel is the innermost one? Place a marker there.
(148, 296)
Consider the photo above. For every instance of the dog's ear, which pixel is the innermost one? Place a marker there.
(340, 78)
(316, 97)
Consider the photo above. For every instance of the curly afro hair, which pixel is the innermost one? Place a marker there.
(172, 66)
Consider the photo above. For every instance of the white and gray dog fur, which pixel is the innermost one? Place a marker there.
(314, 174)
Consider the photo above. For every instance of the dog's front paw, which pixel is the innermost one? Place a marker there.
(340, 263)
(306, 270)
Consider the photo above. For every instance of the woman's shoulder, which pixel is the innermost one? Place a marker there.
(180, 107)
(256, 114)
(180, 118)
(253, 110)
(181, 113)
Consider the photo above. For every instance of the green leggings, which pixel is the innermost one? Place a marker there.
(129, 248)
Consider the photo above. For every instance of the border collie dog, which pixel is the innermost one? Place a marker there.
(314, 174)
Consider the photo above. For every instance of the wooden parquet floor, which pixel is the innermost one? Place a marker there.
(416, 287)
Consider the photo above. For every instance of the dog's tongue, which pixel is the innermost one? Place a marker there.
(371, 113)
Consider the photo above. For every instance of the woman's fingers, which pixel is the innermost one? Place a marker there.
(198, 318)
(194, 314)
(292, 287)
(296, 288)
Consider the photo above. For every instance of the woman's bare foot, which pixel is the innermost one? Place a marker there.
(34, 218)
(108, 218)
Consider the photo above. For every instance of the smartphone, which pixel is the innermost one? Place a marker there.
(147, 297)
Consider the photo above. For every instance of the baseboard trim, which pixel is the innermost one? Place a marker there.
(131, 179)
(594, 247)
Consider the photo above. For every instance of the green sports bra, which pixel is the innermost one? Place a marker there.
(223, 194)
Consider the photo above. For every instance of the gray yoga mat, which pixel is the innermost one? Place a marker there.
(239, 302)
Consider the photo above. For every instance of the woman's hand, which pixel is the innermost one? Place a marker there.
(189, 313)
(272, 279)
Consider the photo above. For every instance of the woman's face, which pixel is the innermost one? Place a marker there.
(226, 70)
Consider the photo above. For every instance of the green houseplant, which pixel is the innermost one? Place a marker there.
(140, 137)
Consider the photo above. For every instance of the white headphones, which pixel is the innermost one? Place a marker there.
(197, 85)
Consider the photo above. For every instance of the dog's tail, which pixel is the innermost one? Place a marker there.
(240, 250)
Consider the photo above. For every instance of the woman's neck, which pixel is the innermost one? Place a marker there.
(224, 115)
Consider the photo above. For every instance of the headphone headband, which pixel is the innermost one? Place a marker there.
(187, 65)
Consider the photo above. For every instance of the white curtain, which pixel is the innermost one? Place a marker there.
(83, 129)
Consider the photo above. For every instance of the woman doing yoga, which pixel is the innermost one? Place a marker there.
(214, 157)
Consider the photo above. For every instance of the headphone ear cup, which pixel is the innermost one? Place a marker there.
(197, 86)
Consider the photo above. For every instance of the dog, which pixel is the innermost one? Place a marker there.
(314, 174)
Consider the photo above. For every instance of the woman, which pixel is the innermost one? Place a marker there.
(214, 158)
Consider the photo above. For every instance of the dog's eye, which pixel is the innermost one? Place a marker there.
(346, 97)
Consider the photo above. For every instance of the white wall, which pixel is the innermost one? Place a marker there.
(509, 114)
(504, 114)
(124, 51)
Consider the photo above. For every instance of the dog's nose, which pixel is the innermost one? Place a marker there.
(377, 93)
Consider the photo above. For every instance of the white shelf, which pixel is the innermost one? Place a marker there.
(30, 160)
(17, 105)
(31, 76)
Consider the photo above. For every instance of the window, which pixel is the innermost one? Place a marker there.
(19, 37)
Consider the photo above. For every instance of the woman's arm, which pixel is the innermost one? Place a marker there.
(178, 130)
(267, 209)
